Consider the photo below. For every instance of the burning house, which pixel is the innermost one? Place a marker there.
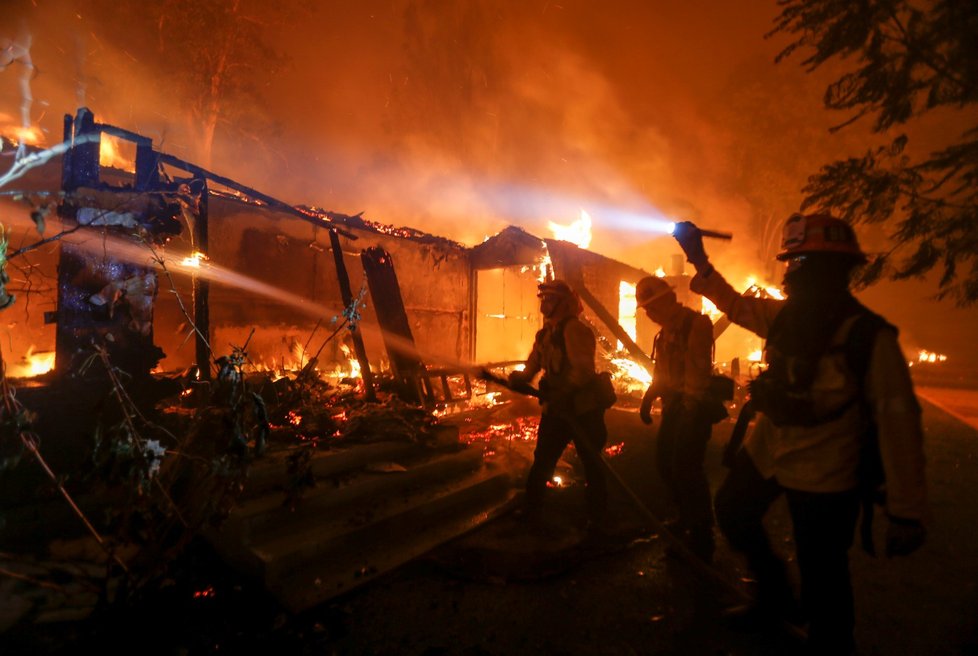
(166, 278)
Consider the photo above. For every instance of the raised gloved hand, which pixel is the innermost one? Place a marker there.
(645, 410)
(904, 536)
(691, 241)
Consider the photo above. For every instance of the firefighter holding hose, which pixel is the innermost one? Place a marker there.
(564, 351)
(837, 415)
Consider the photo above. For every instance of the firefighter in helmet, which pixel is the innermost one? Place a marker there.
(836, 414)
(683, 354)
(564, 351)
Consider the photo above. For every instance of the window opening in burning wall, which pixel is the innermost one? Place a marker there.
(507, 314)
(627, 310)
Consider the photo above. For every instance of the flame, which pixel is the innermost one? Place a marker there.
(709, 309)
(930, 356)
(630, 374)
(627, 309)
(300, 354)
(755, 356)
(110, 155)
(762, 290)
(193, 261)
(32, 364)
(352, 362)
(578, 233)
(30, 136)
(545, 269)
(660, 273)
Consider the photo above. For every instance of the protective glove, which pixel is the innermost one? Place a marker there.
(904, 536)
(645, 410)
(691, 241)
(517, 378)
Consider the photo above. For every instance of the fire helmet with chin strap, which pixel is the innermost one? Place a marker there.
(806, 234)
(649, 289)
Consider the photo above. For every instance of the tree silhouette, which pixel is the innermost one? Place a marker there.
(215, 55)
(902, 62)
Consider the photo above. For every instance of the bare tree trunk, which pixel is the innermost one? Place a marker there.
(210, 114)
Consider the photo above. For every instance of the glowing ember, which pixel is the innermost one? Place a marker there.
(614, 449)
(556, 481)
(206, 592)
(523, 429)
(294, 418)
(32, 364)
(578, 233)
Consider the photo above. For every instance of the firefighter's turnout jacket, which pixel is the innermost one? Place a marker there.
(683, 364)
(825, 457)
(564, 349)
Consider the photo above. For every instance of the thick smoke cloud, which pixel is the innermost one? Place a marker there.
(462, 116)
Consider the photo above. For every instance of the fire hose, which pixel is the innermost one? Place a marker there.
(679, 547)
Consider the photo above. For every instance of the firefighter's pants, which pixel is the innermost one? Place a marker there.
(554, 434)
(680, 451)
(824, 527)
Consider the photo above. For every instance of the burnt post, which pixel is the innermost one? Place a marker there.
(201, 285)
(347, 295)
(82, 167)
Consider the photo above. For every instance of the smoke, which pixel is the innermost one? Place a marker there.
(460, 117)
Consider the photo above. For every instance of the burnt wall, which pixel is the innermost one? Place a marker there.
(288, 281)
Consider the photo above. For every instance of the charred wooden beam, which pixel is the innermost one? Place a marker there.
(611, 322)
(251, 193)
(347, 295)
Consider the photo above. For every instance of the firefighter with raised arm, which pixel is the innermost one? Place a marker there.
(836, 414)
(683, 354)
(564, 351)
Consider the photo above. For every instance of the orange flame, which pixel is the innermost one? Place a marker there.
(32, 364)
(578, 233)
(930, 356)
(110, 154)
